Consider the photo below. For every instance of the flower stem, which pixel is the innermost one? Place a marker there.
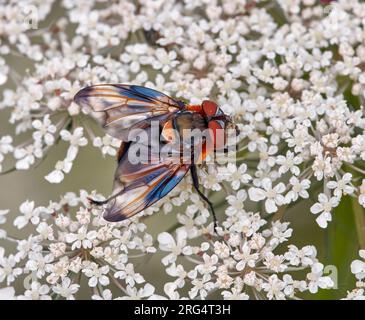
(278, 215)
(356, 168)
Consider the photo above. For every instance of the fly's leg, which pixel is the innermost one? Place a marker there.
(97, 202)
(102, 202)
(195, 178)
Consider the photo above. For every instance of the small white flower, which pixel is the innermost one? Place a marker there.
(317, 280)
(236, 203)
(127, 273)
(358, 266)
(29, 213)
(342, 186)
(235, 294)
(66, 289)
(234, 175)
(26, 156)
(138, 294)
(170, 290)
(299, 189)
(36, 291)
(289, 162)
(168, 243)
(97, 275)
(45, 231)
(165, 60)
(324, 206)
(44, 130)
(133, 56)
(177, 272)
(76, 140)
(82, 239)
(274, 288)
(57, 175)
(273, 195)
(107, 144)
(105, 295)
(8, 269)
(356, 294)
(245, 256)
(201, 286)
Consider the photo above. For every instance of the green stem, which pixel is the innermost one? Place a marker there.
(278, 215)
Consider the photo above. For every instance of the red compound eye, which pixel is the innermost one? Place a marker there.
(210, 108)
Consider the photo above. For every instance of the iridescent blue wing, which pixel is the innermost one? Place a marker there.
(120, 108)
(138, 186)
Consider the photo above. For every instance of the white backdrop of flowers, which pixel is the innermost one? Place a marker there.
(289, 72)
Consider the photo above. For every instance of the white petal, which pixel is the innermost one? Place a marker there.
(20, 222)
(67, 166)
(332, 184)
(148, 290)
(166, 241)
(65, 135)
(93, 282)
(170, 290)
(362, 253)
(323, 218)
(55, 176)
(26, 207)
(316, 208)
(7, 293)
(266, 183)
(357, 266)
(322, 198)
(256, 194)
(270, 206)
(71, 153)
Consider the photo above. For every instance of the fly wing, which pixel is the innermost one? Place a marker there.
(120, 108)
(138, 186)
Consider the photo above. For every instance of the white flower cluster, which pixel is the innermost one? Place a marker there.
(289, 73)
(242, 261)
(70, 240)
(18, 23)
